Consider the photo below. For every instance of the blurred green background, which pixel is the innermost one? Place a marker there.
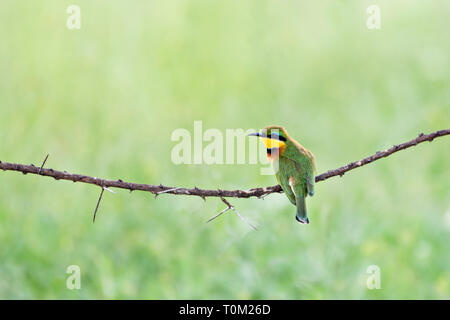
(104, 100)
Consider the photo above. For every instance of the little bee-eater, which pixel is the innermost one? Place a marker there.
(293, 164)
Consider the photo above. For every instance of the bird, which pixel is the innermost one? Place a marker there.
(293, 164)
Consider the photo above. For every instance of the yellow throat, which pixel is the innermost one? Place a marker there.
(273, 143)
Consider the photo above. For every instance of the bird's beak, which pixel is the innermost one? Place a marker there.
(258, 134)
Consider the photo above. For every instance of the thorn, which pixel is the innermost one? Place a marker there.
(42, 166)
(263, 196)
(109, 190)
(221, 212)
(98, 203)
(165, 191)
(230, 206)
(119, 180)
(243, 219)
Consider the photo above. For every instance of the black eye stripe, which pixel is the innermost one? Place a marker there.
(277, 136)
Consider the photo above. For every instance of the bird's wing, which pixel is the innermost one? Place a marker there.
(305, 168)
(310, 181)
(298, 183)
(283, 180)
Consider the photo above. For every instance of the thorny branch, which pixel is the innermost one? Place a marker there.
(203, 193)
(231, 207)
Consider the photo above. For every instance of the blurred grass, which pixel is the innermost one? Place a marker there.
(104, 100)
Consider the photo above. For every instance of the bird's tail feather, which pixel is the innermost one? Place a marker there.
(301, 215)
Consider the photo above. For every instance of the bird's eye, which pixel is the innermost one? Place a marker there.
(278, 136)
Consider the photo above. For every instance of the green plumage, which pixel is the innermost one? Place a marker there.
(294, 167)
